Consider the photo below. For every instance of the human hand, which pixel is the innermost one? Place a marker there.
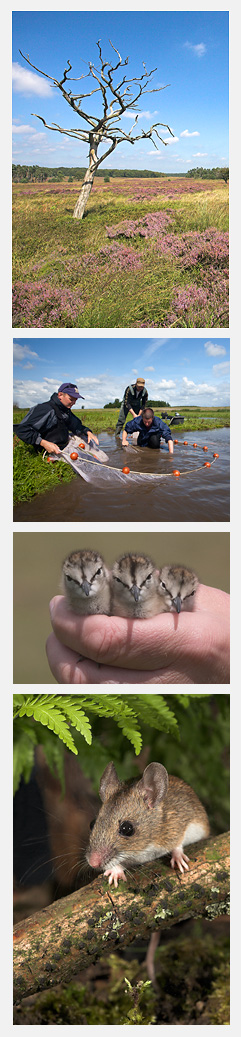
(90, 435)
(52, 448)
(190, 648)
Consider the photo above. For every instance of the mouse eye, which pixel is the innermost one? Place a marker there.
(126, 828)
(163, 585)
(98, 571)
(92, 823)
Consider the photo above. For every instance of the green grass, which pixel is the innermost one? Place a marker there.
(32, 475)
(50, 250)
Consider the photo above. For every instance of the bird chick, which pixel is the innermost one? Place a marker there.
(86, 583)
(177, 587)
(135, 587)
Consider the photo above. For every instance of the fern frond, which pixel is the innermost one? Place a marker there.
(71, 706)
(43, 709)
(117, 709)
(154, 711)
(54, 751)
(23, 754)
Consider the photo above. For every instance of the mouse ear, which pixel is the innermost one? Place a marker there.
(109, 783)
(154, 783)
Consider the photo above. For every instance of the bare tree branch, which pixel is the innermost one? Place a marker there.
(100, 128)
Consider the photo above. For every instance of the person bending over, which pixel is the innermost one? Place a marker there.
(50, 424)
(150, 430)
(134, 399)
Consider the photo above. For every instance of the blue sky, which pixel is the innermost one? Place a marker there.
(182, 371)
(190, 50)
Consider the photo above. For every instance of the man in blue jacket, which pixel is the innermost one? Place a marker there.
(50, 424)
(151, 430)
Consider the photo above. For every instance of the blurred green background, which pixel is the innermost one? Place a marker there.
(37, 572)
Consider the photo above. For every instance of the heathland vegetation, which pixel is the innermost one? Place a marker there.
(33, 475)
(148, 253)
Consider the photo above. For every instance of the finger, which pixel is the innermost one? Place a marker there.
(185, 640)
(67, 668)
(114, 641)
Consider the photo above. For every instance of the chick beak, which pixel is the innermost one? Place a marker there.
(86, 587)
(135, 591)
(177, 602)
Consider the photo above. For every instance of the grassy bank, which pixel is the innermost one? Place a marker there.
(32, 475)
(146, 254)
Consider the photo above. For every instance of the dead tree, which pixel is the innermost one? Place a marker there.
(103, 129)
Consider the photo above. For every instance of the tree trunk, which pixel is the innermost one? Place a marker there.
(51, 946)
(87, 182)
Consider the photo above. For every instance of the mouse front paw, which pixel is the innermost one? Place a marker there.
(180, 859)
(114, 874)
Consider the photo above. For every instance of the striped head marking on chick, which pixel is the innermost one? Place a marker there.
(177, 587)
(86, 583)
(135, 583)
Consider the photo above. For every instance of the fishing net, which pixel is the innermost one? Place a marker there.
(93, 465)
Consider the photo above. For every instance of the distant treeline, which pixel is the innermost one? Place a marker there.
(151, 403)
(217, 173)
(42, 173)
(39, 174)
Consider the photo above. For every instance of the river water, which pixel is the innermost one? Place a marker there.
(199, 494)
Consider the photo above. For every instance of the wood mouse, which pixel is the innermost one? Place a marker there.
(144, 819)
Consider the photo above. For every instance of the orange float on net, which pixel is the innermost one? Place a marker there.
(82, 445)
(205, 447)
(194, 444)
(215, 455)
(185, 443)
(176, 472)
(207, 464)
(74, 456)
(126, 471)
(175, 440)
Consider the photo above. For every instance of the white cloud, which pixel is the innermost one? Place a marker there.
(197, 390)
(199, 49)
(100, 390)
(200, 154)
(141, 115)
(128, 115)
(21, 353)
(170, 140)
(24, 128)
(213, 349)
(27, 82)
(187, 382)
(152, 348)
(186, 133)
(149, 369)
(220, 370)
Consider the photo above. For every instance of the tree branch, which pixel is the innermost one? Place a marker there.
(100, 125)
(51, 945)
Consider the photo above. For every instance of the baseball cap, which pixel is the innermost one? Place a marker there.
(140, 381)
(71, 389)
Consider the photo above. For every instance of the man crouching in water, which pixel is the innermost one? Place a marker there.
(150, 430)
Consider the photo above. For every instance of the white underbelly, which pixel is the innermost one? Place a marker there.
(194, 832)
